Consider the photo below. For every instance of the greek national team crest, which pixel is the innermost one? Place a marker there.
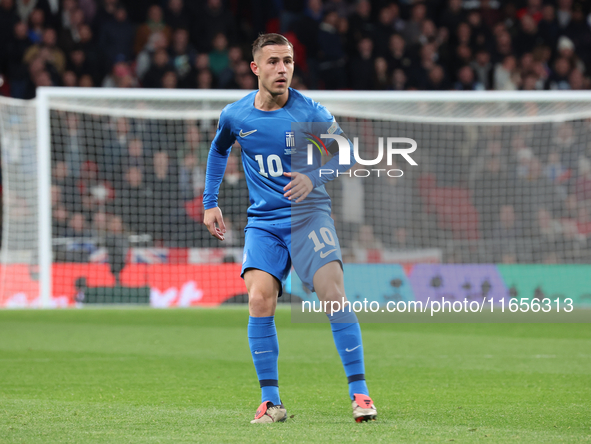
(290, 143)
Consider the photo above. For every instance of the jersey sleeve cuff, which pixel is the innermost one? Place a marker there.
(209, 205)
(316, 182)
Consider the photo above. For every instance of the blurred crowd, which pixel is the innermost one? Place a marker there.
(483, 194)
(338, 44)
(494, 193)
(147, 174)
(511, 193)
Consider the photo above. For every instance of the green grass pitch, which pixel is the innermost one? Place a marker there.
(159, 376)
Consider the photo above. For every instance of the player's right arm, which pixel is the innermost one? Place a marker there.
(214, 222)
(216, 166)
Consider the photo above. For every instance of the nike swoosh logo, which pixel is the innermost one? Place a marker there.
(241, 134)
(353, 348)
(267, 351)
(323, 255)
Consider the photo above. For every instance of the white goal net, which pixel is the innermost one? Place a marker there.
(111, 210)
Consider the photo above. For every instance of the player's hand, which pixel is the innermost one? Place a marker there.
(299, 187)
(213, 217)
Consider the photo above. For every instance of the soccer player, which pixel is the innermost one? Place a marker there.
(289, 214)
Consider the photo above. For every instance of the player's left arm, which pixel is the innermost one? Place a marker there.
(333, 164)
(302, 184)
(298, 187)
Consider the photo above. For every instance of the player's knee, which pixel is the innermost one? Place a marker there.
(262, 295)
(332, 292)
(262, 302)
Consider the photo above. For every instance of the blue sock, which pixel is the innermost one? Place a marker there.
(264, 347)
(347, 338)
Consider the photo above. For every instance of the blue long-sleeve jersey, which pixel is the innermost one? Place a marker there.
(268, 142)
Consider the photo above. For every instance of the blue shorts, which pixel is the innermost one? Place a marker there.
(308, 243)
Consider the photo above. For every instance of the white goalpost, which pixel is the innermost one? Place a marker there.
(102, 188)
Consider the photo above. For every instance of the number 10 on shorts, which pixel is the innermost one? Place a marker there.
(326, 237)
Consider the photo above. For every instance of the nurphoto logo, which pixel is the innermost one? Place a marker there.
(392, 148)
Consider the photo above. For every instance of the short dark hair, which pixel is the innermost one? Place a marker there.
(269, 39)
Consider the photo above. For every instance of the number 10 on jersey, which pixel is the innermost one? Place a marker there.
(273, 165)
